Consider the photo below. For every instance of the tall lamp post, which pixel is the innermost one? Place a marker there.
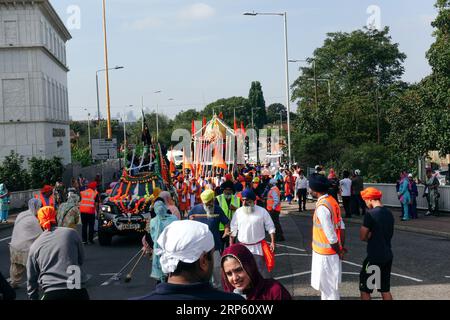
(98, 98)
(125, 126)
(288, 99)
(157, 121)
(89, 131)
(314, 79)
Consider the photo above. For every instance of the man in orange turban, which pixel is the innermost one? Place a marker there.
(47, 217)
(377, 230)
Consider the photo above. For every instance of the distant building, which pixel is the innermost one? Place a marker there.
(34, 109)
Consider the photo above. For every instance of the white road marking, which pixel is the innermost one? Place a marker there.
(392, 273)
(293, 254)
(448, 277)
(293, 248)
(293, 275)
(4, 239)
(107, 274)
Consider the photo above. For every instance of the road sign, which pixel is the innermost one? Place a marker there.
(104, 149)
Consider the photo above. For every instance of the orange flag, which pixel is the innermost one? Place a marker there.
(218, 161)
(193, 127)
(186, 162)
(172, 168)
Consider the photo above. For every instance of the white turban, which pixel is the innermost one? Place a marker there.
(183, 241)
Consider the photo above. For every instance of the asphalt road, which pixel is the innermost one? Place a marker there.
(421, 268)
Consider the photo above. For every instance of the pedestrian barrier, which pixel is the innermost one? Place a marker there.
(390, 196)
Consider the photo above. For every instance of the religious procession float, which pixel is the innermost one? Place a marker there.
(127, 208)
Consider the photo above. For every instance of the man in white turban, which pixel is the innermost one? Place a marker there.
(186, 256)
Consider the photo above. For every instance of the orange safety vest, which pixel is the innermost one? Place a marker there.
(271, 201)
(51, 200)
(320, 243)
(87, 203)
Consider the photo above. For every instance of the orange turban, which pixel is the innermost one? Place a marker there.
(46, 216)
(371, 194)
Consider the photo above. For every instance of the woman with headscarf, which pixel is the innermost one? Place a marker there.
(240, 275)
(289, 183)
(4, 203)
(26, 231)
(69, 211)
(404, 196)
(157, 225)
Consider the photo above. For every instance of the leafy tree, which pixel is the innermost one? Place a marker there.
(274, 111)
(227, 107)
(45, 171)
(258, 104)
(82, 156)
(12, 174)
(358, 64)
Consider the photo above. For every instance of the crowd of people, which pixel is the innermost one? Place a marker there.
(210, 242)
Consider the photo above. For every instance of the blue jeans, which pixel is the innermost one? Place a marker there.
(3, 215)
(405, 211)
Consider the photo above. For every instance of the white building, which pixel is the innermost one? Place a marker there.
(34, 109)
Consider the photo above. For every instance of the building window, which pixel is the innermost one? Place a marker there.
(10, 32)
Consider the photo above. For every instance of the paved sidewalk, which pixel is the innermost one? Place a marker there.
(11, 218)
(431, 225)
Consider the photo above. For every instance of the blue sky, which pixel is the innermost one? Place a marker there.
(196, 52)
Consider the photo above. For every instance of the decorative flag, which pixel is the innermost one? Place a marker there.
(193, 127)
(218, 161)
(242, 128)
(221, 115)
(186, 162)
(204, 122)
(172, 162)
(235, 126)
(145, 136)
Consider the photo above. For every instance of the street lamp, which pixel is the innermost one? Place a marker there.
(98, 98)
(125, 126)
(157, 120)
(89, 131)
(288, 100)
(315, 77)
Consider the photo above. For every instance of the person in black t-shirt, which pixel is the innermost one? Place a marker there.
(377, 230)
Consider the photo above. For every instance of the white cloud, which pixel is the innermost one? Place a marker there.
(146, 23)
(197, 11)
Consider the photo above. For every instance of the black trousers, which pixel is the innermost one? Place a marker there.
(275, 215)
(357, 203)
(347, 208)
(87, 221)
(67, 294)
(301, 193)
(225, 242)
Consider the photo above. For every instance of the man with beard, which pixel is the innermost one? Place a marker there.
(249, 225)
(210, 213)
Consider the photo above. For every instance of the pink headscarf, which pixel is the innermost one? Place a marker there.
(332, 174)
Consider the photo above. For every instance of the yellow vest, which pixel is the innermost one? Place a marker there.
(235, 202)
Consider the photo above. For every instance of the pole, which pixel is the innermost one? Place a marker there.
(253, 126)
(288, 98)
(157, 123)
(108, 101)
(315, 84)
(89, 134)
(124, 131)
(98, 108)
(378, 117)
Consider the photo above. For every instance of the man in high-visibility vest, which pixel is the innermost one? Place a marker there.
(46, 197)
(229, 203)
(274, 208)
(88, 209)
(328, 241)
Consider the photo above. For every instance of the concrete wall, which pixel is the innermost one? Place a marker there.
(19, 200)
(33, 84)
(390, 196)
(108, 169)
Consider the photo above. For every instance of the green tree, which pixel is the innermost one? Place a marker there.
(12, 174)
(358, 64)
(227, 106)
(420, 121)
(258, 104)
(45, 171)
(274, 111)
(82, 156)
